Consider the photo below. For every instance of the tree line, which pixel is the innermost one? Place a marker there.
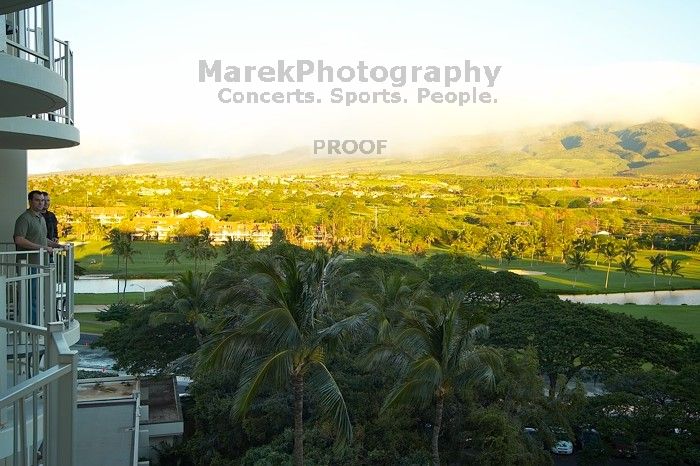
(624, 252)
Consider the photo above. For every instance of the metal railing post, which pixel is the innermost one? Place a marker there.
(51, 405)
(22, 32)
(49, 295)
(3, 338)
(69, 78)
(3, 36)
(70, 286)
(62, 402)
(37, 286)
(23, 307)
(47, 26)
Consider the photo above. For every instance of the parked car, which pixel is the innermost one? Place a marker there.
(562, 443)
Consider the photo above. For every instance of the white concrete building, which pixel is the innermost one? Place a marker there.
(37, 367)
(45, 418)
(121, 419)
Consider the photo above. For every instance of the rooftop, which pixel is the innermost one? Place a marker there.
(162, 400)
(105, 389)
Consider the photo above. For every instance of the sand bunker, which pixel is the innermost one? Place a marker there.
(526, 272)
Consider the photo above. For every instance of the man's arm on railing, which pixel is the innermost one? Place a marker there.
(24, 243)
(54, 244)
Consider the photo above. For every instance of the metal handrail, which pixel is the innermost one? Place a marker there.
(36, 281)
(12, 325)
(27, 50)
(137, 429)
(32, 40)
(26, 388)
(51, 392)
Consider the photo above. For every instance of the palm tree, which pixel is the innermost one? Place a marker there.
(509, 254)
(565, 247)
(674, 268)
(584, 244)
(629, 247)
(597, 247)
(610, 252)
(667, 242)
(233, 246)
(629, 267)
(171, 258)
(494, 247)
(658, 264)
(115, 246)
(460, 239)
(576, 260)
(128, 251)
(519, 242)
(284, 337)
(541, 252)
(190, 305)
(387, 297)
(199, 247)
(440, 344)
(400, 231)
(534, 241)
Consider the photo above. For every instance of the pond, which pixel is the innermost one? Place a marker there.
(99, 284)
(676, 297)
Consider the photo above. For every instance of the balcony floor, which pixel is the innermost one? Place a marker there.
(32, 133)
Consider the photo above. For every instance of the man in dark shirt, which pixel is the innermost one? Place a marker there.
(30, 235)
(50, 218)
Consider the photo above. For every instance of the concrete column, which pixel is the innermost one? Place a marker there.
(13, 190)
(62, 401)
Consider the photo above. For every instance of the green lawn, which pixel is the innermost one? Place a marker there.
(685, 318)
(90, 324)
(558, 279)
(108, 298)
(148, 261)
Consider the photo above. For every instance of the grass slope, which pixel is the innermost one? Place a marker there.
(90, 324)
(558, 279)
(148, 262)
(685, 318)
(108, 298)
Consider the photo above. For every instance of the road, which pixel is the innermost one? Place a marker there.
(83, 308)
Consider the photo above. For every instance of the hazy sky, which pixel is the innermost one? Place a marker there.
(138, 97)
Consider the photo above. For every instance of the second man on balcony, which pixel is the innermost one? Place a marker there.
(30, 228)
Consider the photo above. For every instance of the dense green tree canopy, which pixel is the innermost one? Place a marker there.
(570, 337)
(140, 348)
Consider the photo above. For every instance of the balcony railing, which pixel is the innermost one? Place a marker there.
(38, 285)
(37, 394)
(29, 36)
(38, 405)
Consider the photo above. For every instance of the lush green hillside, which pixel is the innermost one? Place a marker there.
(574, 150)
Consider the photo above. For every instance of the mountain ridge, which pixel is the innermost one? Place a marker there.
(576, 149)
